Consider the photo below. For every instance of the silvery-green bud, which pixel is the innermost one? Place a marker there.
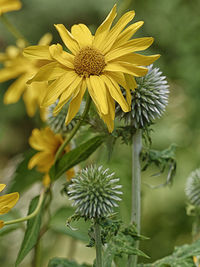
(192, 188)
(149, 99)
(95, 192)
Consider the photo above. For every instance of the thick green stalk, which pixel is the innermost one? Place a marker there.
(77, 126)
(136, 189)
(12, 29)
(97, 232)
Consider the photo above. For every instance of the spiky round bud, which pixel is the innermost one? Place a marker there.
(149, 99)
(57, 123)
(94, 192)
(192, 188)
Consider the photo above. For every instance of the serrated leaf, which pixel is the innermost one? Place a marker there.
(61, 262)
(122, 244)
(182, 257)
(23, 177)
(32, 232)
(75, 156)
(58, 224)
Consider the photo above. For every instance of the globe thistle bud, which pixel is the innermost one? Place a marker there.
(149, 99)
(94, 192)
(192, 188)
(57, 123)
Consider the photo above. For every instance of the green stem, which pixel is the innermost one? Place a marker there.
(30, 216)
(37, 255)
(97, 232)
(67, 140)
(136, 189)
(12, 29)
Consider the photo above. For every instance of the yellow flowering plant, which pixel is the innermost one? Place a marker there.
(94, 88)
(100, 63)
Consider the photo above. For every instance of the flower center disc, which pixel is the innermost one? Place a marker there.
(89, 61)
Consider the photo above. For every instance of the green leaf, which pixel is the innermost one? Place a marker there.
(23, 177)
(182, 257)
(58, 224)
(75, 156)
(32, 232)
(61, 262)
(122, 244)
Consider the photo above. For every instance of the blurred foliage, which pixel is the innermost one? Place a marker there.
(175, 26)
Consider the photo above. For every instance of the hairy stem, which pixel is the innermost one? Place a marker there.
(69, 138)
(12, 29)
(136, 189)
(97, 232)
(30, 216)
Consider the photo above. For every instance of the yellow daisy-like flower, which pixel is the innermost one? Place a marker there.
(15, 65)
(47, 143)
(100, 63)
(9, 5)
(7, 202)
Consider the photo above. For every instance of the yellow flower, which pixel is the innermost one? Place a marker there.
(47, 143)
(9, 5)
(17, 66)
(7, 202)
(101, 63)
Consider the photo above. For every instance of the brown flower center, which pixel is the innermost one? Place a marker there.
(89, 61)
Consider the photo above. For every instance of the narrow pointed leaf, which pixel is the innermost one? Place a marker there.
(32, 232)
(75, 156)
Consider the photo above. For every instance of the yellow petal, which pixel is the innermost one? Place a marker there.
(67, 38)
(111, 105)
(134, 45)
(115, 31)
(15, 90)
(57, 87)
(109, 122)
(70, 174)
(92, 94)
(70, 91)
(37, 52)
(48, 72)
(46, 39)
(61, 56)
(10, 73)
(7, 202)
(11, 5)
(120, 79)
(1, 224)
(82, 34)
(99, 90)
(103, 29)
(127, 34)
(2, 186)
(36, 141)
(130, 80)
(46, 180)
(40, 158)
(31, 98)
(75, 104)
(138, 59)
(115, 92)
(126, 68)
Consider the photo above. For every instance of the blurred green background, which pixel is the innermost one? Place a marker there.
(175, 25)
